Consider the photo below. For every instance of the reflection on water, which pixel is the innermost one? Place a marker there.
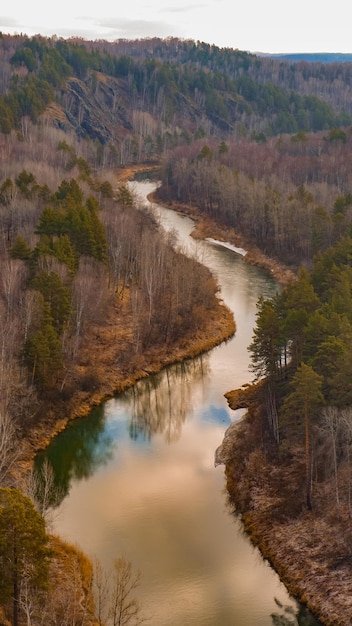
(140, 481)
(160, 403)
(288, 616)
(155, 405)
(79, 450)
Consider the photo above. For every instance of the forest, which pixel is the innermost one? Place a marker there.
(255, 144)
(290, 195)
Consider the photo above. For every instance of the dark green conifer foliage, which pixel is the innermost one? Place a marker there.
(43, 355)
(20, 249)
(266, 348)
(304, 401)
(23, 548)
(57, 297)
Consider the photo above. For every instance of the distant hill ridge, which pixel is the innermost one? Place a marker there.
(312, 57)
(144, 97)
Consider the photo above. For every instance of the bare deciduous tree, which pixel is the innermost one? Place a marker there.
(9, 449)
(115, 602)
(101, 593)
(331, 419)
(41, 489)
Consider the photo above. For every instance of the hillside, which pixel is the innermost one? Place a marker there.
(313, 57)
(134, 100)
(254, 144)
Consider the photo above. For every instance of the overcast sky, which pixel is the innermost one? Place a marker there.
(257, 26)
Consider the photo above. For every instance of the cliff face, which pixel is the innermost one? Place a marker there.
(106, 109)
(98, 109)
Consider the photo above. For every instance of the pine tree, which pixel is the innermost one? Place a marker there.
(304, 400)
(23, 548)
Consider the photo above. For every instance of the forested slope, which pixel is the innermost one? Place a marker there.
(259, 145)
(93, 295)
(290, 195)
(134, 100)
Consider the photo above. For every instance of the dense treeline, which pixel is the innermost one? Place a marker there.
(289, 195)
(327, 78)
(61, 267)
(306, 331)
(78, 258)
(258, 144)
(143, 97)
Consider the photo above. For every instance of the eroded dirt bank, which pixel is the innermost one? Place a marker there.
(310, 550)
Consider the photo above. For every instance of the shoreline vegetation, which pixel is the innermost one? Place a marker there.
(100, 349)
(103, 342)
(208, 228)
(305, 550)
(100, 341)
(295, 548)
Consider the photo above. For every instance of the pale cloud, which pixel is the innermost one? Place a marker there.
(254, 26)
(183, 9)
(130, 29)
(7, 21)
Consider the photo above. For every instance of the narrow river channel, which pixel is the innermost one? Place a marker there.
(139, 478)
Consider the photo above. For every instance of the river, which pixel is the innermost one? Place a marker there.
(139, 479)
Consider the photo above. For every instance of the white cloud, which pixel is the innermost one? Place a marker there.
(256, 26)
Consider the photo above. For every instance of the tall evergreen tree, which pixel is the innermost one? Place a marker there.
(23, 548)
(304, 400)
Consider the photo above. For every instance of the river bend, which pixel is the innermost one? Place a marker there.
(139, 478)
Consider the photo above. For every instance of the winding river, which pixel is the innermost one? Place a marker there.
(139, 480)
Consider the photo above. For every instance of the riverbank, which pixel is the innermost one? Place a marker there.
(310, 550)
(98, 365)
(205, 228)
(307, 549)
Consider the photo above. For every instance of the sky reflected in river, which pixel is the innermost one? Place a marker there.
(140, 481)
(164, 508)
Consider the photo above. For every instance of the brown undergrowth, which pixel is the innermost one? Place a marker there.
(101, 372)
(310, 550)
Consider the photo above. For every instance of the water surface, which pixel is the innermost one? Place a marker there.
(139, 476)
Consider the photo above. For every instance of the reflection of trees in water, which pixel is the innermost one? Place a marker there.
(157, 404)
(290, 616)
(160, 403)
(78, 451)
